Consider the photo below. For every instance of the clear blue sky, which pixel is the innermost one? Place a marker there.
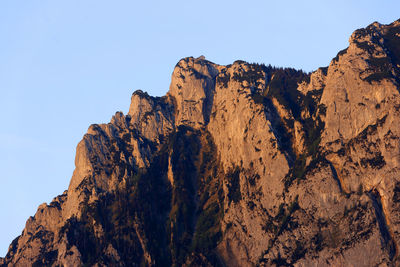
(67, 64)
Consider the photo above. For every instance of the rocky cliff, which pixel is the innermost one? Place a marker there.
(239, 165)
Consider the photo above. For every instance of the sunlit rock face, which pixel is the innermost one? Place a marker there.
(192, 87)
(239, 165)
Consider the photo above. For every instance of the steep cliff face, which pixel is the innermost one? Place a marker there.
(239, 165)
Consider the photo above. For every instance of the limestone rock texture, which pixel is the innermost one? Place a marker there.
(239, 165)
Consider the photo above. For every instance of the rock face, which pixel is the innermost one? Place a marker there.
(239, 165)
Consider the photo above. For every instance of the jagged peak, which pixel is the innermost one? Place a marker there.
(119, 120)
(192, 86)
(374, 30)
(197, 66)
(239, 62)
(141, 94)
(395, 23)
(377, 45)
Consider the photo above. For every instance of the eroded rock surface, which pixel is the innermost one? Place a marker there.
(239, 165)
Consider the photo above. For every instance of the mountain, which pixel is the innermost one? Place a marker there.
(239, 165)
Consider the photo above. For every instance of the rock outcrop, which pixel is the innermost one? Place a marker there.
(239, 165)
